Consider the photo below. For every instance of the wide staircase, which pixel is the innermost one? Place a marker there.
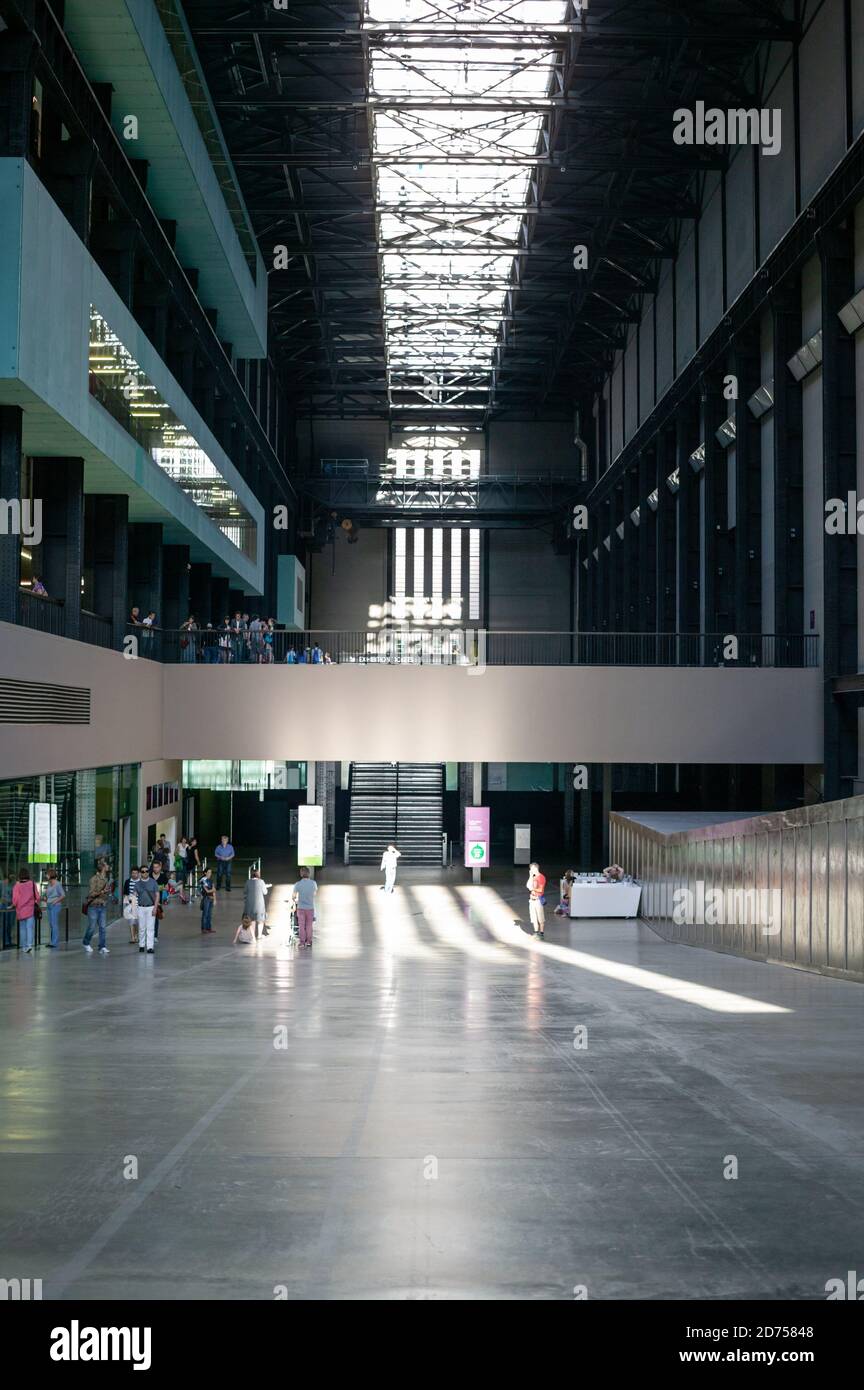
(398, 802)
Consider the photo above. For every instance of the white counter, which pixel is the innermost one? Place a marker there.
(605, 899)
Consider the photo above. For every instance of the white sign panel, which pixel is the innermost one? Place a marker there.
(42, 833)
(310, 835)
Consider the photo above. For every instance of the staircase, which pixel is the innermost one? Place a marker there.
(398, 802)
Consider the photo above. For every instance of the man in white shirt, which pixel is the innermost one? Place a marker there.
(389, 859)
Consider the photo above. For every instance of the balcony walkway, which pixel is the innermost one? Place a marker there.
(429, 1130)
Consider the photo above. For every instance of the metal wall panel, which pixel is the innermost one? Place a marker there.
(837, 894)
(801, 870)
(819, 895)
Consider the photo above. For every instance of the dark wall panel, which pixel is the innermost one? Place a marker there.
(665, 309)
(710, 231)
(777, 172)
(740, 250)
(686, 301)
(823, 96)
(631, 391)
(617, 406)
(646, 360)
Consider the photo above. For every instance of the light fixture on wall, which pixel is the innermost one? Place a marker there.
(673, 482)
(852, 314)
(697, 459)
(727, 433)
(762, 400)
(654, 500)
(636, 515)
(807, 358)
(619, 531)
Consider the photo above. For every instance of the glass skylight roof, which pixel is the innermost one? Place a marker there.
(459, 90)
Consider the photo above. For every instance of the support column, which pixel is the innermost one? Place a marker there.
(667, 569)
(218, 599)
(840, 558)
(10, 491)
(719, 596)
(58, 483)
(788, 465)
(646, 547)
(145, 568)
(199, 594)
(607, 808)
(746, 361)
(106, 520)
(686, 430)
(175, 586)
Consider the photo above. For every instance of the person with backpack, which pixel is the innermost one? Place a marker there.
(25, 900)
(536, 886)
(147, 893)
(208, 895)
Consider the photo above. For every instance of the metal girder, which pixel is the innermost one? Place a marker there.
(298, 100)
(381, 499)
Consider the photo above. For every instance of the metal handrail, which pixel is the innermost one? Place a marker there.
(477, 647)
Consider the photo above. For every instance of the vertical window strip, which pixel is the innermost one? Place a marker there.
(399, 564)
(456, 571)
(474, 574)
(419, 562)
(437, 569)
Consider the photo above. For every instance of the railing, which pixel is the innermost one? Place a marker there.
(476, 647)
(95, 629)
(43, 614)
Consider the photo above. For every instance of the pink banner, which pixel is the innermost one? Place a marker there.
(476, 837)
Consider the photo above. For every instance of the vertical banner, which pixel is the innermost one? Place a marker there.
(310, 836)
(42, 833)
(476, 837)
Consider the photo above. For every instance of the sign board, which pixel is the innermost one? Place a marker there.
(521, 844)
(42, 833)
(310, 835)
(476, 837)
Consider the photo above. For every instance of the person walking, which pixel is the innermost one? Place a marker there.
(96, 903)
(147, 892)
(55, 896)
(303, 895)
(25, 900)
(254, 904)
(224, 858)
(130, 904)
(536, 886)
(389, 860)
(208, 896)
(180, 867)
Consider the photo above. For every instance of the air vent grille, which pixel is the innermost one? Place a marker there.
(36, 702)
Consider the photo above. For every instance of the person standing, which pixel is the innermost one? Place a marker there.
(147, 892)
(97, 905)
(224, 857)
(7, 911)
(536, 886)
(25, 900)
(254, 904)
(180, 867)
(188, 639)
(208, 895)
(389, 860)
(193, 862)
(55, 896)
(303, 894)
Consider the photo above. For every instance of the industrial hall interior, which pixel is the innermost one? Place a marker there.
(504, 359)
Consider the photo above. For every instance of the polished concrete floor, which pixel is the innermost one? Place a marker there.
(427, 1105)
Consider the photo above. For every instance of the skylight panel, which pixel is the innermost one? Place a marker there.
(459, 92)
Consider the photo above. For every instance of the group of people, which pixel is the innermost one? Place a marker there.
(311, 656)
(241, 639)
(23, 903)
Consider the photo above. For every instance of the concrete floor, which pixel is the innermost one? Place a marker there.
(429, 1130)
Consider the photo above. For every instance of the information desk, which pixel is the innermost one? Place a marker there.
(599, 899)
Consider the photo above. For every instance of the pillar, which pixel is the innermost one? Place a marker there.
(10, 491)
(58, 483)
(145, 568)
(106, 520)
(477, 800)
(218, 599)
(175, 586)
(199, 594)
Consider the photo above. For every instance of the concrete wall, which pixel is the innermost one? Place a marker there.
(340, 597)
(142, 711)
(529, 585)
(126, 723)
(505, 714)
